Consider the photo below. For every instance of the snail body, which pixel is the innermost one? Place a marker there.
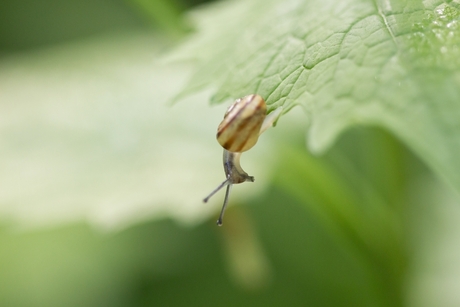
(239, 131)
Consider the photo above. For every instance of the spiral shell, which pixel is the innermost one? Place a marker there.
(239, 131)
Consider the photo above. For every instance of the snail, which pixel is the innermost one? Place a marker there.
(239, 131)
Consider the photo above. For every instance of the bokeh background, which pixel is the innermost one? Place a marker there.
(102, 180)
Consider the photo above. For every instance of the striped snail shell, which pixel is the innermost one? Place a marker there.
(239, 131)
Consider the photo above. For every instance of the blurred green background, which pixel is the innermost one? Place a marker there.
(349, 228)
(32, 24)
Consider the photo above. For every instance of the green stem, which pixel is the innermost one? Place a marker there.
(340, 209)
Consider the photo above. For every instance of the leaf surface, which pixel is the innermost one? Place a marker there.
(388, 63)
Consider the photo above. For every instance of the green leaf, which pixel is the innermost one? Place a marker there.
(393, 64)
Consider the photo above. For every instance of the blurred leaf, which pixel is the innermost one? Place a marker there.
(86, 134)
(393, 63)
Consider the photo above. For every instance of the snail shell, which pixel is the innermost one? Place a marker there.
(239, 131)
